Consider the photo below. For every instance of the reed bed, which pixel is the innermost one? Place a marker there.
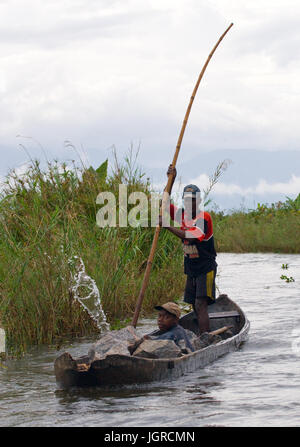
(47, 218)
(269, 228)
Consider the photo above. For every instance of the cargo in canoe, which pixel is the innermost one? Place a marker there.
(119, 369)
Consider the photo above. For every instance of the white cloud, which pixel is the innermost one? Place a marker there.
(291, 187)
(109, 72)
(261, 188)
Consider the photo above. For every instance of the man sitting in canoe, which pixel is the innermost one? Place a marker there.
(169, 329)
(196, 233)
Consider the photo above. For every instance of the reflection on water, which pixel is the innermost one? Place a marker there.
(258, 385)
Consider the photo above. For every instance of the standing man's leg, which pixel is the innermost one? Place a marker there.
(205, 295)
(195, 294)
(200, 308)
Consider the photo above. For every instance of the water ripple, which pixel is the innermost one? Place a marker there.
(258, 385)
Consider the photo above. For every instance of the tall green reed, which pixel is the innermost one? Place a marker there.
(48, 216)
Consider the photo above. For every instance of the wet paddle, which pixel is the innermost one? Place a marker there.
(168, 188)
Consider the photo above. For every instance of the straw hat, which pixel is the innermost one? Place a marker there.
(170, 307)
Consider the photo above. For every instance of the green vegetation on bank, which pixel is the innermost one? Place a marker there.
(269, 228)
(48, 220)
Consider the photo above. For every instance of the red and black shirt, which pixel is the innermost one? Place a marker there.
(199, 251)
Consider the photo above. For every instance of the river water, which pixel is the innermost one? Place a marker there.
(258, 385)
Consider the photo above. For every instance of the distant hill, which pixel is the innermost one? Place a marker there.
(248, 167)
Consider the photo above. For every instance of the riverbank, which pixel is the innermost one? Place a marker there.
(48, 226)
(267, 229)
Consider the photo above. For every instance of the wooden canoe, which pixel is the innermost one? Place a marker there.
(125, 369)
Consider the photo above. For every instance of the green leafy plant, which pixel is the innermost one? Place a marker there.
(47, 217)
(284, 277)
(287, 279)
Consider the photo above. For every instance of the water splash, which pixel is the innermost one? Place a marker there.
(85, 291)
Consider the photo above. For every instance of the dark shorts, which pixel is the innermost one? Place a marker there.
(200, 286)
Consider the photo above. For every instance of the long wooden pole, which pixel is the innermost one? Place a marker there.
(168, 188)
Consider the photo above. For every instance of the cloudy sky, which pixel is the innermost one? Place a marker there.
(99, 73)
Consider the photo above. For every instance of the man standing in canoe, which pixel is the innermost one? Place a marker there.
(196, 233)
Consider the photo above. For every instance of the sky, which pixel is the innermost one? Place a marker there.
(78, 78)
